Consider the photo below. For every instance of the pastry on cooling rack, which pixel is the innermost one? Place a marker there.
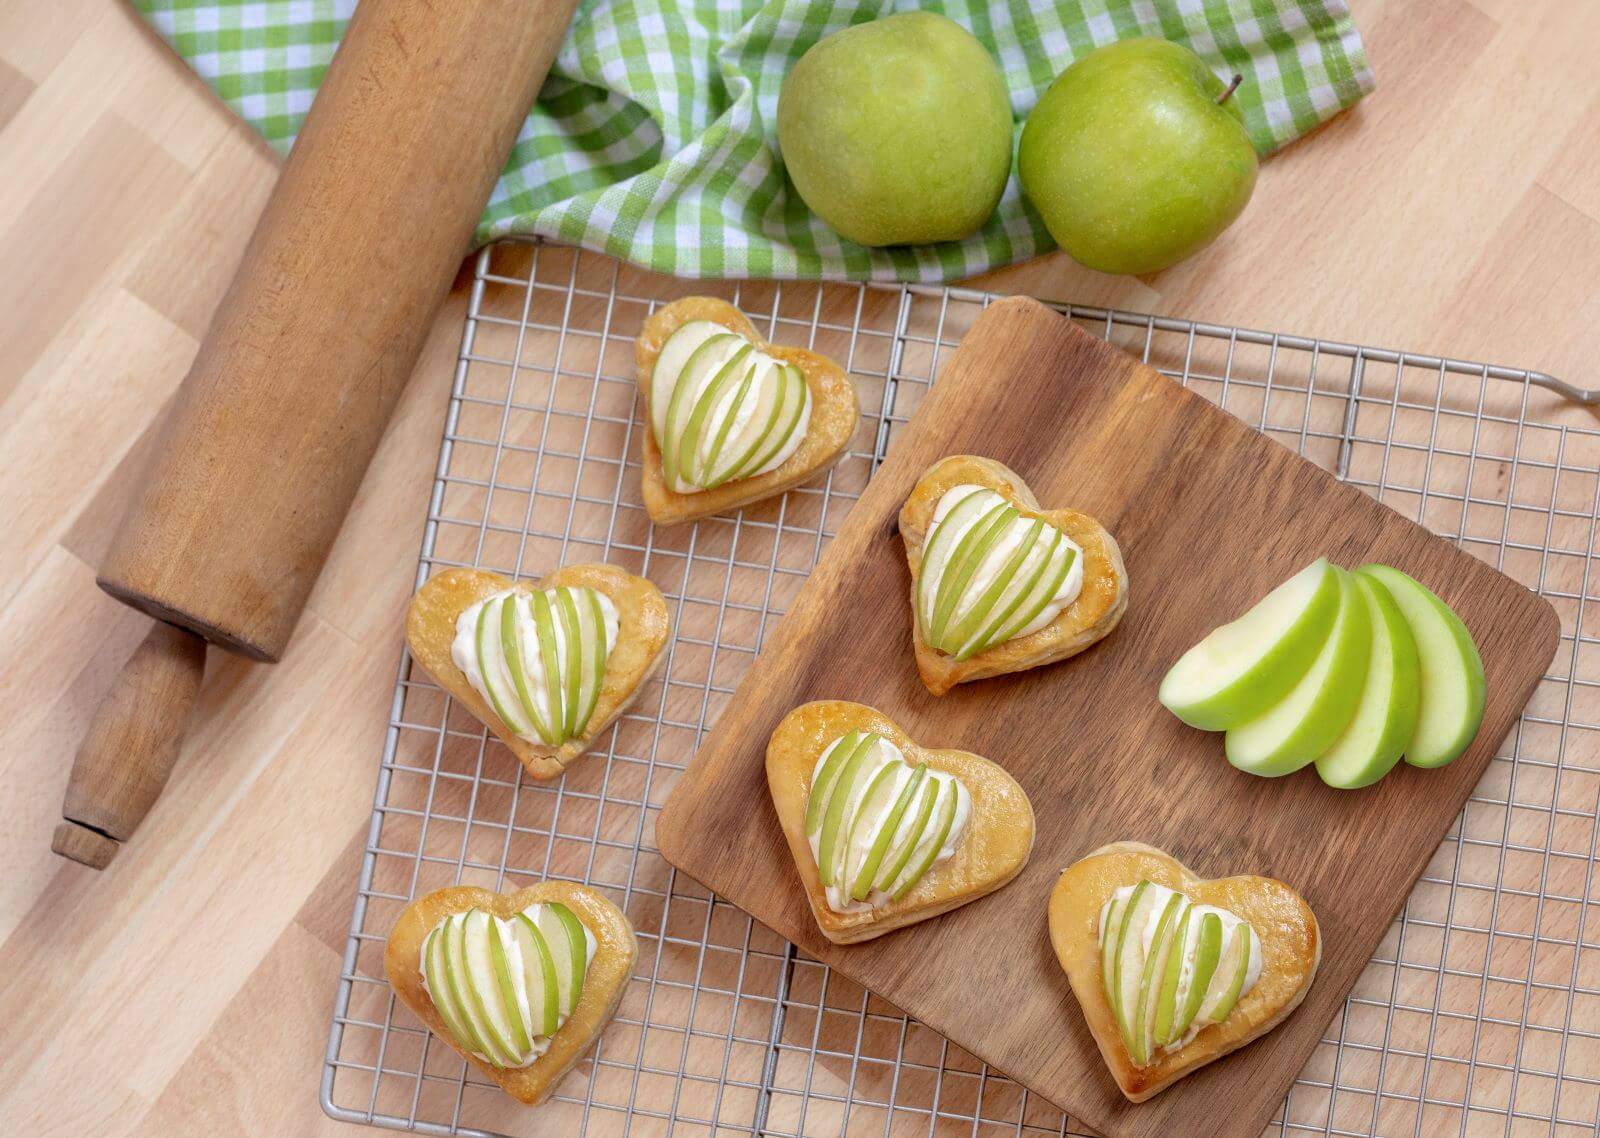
(520, 984)
(885, 832)
(548, 665)
(998, 583)
(1172, 971)
(732, 418)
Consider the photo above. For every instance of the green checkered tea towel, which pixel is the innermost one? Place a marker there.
(654, 137)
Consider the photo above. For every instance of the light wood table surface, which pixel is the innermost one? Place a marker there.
(187, 990)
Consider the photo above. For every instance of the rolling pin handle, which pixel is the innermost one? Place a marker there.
(132, 743)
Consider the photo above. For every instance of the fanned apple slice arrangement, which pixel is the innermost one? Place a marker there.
(884, 832)
(547, 666)
(999, 584)
(732, 418)
(1172, 971)
(1349, 670)
(519, 985)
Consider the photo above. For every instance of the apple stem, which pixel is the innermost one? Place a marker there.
(1232, 87)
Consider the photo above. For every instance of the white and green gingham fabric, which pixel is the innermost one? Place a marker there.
(654, 136)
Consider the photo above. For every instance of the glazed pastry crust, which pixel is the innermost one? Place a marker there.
(834, 412)
(1291, 948)
(642, 629)
(614, 955)
(1095, 612)
(996, 846)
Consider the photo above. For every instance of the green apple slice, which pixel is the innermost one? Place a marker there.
(1304, 723)
(937, 552)
(1110, 928)
(544, 624)
(670, 361)
(596, 651)
(1146, 901)
(939, 829)
(558, 939)
(1152, 974)
(817, 798)
(1235, 964)
(1062, 554)
(1386, 717)
(878, 800)
(442, 990)
(508, 989)
(1207, 953)
(1450, 671)
(689, 469)
(491, 1018)
(484, 639)
(839, 796)
(969, 555)
(1241, 669)
(728, 413)
(564, 608)
(1166, 1002)
(577, 956)
(516, 663)
(891, 872)
(867, 875)
(460, 982)
(767, 379)
(700, 368)
(539, 970)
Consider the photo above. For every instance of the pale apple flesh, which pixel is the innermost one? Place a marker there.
(1240, 670)
(1306, 721)
(504, 987)
(1386, 717)
(721, 409)
(1171, 966)
(1450, 670)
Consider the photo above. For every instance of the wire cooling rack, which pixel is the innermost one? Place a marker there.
(1480, 1014)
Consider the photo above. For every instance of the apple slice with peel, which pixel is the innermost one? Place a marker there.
(1128, 971)
(1450, 671)
(1143, 1017)
(1304, 723)
(1242, 669)
(1387, 714)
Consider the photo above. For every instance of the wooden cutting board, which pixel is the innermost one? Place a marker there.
(1210, 515)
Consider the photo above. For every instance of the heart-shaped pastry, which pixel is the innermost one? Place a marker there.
(1173, 971)
(731, 418)
(999, 584)
(519, 984)
(884, 832)
(548, 665)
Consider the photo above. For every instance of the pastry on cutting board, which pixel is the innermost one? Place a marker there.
(730, 418)
(519, 984)
(1173, 971)
(885, 832)
(548, 664)
(998, 583)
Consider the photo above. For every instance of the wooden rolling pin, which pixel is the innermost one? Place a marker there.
(292, 388)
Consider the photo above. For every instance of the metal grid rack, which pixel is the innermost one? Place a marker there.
(1480, 1013)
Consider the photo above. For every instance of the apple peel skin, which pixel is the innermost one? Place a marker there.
(616, 949)
(642, 629)
(995, 847)
(1291, 945)
(834, 415)
(1088, 619)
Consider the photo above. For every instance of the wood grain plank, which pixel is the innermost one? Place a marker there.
(1210, 515)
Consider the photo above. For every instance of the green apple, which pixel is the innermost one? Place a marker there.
(835, 820)
(1387, 714)
(596, 651)
(1235, 964)
(1241, 669)
(444, 992)
(706, 363)
(1166, 1006)
(1207, 954)
(875, 803)
(539, 975)
(1449, 667)
(674, 356)
(577, 951)
(833, 761)
(1155, 969)
(491, 1017)
(784, 426)
(1128, 970)
(932, 837)
(544, 624)
(687, 467)
(969, 553)
(1136, 157)
(897, 131)
(897, 862)
(1305, 723)
(500, 959)
(980, 610)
